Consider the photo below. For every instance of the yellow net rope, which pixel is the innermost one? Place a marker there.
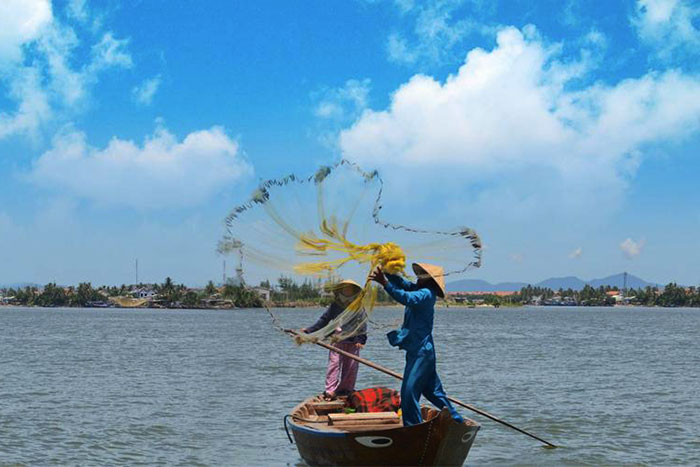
(388, 256)
(293, 212)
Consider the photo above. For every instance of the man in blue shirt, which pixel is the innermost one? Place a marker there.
(416, 338)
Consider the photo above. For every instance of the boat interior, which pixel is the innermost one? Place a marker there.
(323, 415)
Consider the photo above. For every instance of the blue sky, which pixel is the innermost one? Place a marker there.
(566, 132)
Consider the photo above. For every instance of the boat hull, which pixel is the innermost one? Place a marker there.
(437, 441)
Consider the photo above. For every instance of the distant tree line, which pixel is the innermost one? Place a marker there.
(288, 290)
(172, 295)
(587, 296)
(53, 296)
(166, 295)
(672, 295)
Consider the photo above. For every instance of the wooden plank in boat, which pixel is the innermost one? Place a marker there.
(323, 407)
(355, 418)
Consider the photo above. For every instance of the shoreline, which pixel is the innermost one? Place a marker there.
(315, 305)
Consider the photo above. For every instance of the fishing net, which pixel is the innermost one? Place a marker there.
(326, 227)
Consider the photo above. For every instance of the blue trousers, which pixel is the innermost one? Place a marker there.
(420, 378)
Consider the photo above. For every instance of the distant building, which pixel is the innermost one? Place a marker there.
(6, 300)
(144, 293)
(616, 295)
(557, 300)
(264, 293)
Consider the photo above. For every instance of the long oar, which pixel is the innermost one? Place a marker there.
(451, 399)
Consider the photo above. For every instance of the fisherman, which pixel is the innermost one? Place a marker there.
(341, 372)
(416, 337)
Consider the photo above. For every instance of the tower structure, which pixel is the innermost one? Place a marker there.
(239, 269)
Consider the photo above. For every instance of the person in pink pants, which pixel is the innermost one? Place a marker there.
(341, 372)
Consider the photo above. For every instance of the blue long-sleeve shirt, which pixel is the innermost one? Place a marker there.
(417, 329)
(330, 314)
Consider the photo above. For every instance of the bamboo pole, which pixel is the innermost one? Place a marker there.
(387, 371)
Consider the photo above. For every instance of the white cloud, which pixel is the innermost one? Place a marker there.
(435, 31)
(668, 26)
(399, 51)
(576, 253)
(110, 52)
(344, 102)
(405, 5)
(337, 108)
(571, 15)
(38, 65)
(143, 93)
(508, 120)
(33, 104)
(632, 249)
(595, 38)
(163, 172)
(65, 85)
(78, 10)
(21, 21)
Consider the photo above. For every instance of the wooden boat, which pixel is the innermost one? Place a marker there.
(326, 435)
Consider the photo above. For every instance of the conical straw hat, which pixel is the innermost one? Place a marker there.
(436, 273)
(355, 285)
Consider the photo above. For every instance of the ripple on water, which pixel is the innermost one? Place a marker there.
(178, 387)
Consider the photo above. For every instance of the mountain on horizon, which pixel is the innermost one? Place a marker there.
(633, 282)
(568, 282)
(554, 283)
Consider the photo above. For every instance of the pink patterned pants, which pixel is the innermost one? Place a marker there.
(342, 371)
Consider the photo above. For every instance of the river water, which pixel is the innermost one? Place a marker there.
(178, 387)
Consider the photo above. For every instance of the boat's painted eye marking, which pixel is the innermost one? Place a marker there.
(466, 437)
(374, 441)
